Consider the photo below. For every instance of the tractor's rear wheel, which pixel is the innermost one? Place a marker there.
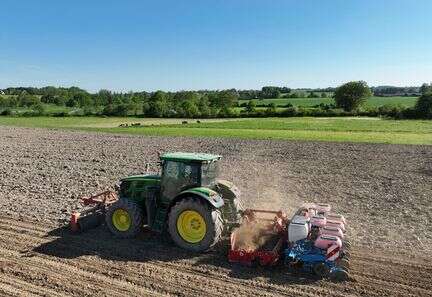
(321, 270)
(124, 219)
(194, 225)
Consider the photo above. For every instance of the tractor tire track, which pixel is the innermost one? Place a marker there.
(20, 285)
(159, 271)
(33, 273)
(217, 278)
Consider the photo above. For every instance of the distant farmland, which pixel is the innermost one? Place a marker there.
(309, 102)
(348, 129)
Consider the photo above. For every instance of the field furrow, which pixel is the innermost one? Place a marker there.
(43, 173)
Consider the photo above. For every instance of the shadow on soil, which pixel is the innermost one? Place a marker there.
(150, 246)
(427, 172)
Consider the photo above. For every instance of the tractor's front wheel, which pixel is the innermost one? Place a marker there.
(124, 219)
(194, 225)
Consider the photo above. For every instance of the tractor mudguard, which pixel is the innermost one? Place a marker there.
(227, 189)
(208, 194)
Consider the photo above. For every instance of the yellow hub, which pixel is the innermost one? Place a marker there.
(191, 226)
(121, 220)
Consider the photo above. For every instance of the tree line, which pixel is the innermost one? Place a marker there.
(348, 97)
(154, 104)
(386, 91)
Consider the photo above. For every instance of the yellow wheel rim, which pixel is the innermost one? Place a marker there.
(121, 220)
(191, 226)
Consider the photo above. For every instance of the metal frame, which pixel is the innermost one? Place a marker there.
(99, 202)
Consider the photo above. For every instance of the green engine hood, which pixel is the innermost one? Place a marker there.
(152, 177)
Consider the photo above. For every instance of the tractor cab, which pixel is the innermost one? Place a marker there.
(182, 171)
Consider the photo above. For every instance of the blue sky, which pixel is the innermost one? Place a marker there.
(174, 45)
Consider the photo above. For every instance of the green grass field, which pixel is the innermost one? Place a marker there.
(309, 102)
(280, 103)
(370, 130)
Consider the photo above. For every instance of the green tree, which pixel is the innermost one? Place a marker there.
(146, 108)
(271, 109)
(48, 98)
(424, 105)
(38, 108)
(185, 103)
(227, 99)
(59, 100)
(270, 92)
(9, 101)
(158, 104)
(312, 95)
(181, 96)
(120, 110)
(103, 98)
(83, 99)
(323, 95)
(251, 106)
(190, 109)
(135, 104)
(351, 95)
(72, 102)
(25, 99)
(425, 88)
(204, 106)
(159, 109)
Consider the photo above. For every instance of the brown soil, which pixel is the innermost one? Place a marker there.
(384, 191)
(252, 236)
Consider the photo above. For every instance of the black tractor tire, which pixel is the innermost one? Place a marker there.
(347, 244)
(346, 254)
(211, 216)
(340, 276)
(135, 214)
(239, 207)
(232, 214)
(321, 270)
(345, 263)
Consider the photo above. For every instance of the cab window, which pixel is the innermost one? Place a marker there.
(179, 176)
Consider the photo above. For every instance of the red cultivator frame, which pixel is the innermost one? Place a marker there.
(268, 253)
(94, 216)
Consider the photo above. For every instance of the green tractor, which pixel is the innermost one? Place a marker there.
(186, 199)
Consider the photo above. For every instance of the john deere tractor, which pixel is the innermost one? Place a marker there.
(186, 199)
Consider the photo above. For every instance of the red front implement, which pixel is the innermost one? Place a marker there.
(92, 217)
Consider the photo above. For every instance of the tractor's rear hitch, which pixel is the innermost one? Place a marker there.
(92, 217)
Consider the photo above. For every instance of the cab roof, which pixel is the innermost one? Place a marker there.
(189, 157)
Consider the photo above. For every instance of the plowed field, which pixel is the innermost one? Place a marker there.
(384, 190)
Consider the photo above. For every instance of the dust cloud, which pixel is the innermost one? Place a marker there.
(251, 236)
(268, 189)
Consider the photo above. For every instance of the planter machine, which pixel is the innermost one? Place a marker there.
(313, 241)
(188, 200)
